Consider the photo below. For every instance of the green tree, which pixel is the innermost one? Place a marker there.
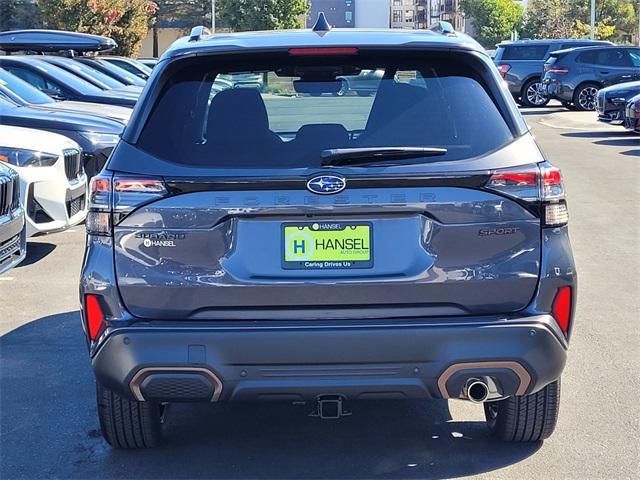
(243, 15)
(547, 19)
(613, 17)
(572, 18)
(183, 13)
(16, 14)
(493, 20)
(126, 21)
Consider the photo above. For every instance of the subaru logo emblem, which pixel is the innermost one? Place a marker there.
(326, 184)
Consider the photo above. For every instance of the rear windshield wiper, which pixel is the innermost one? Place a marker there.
(359, 156)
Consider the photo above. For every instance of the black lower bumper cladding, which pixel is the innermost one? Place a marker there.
(429, 359)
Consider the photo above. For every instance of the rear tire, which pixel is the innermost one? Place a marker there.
(585, 96)
(128, 424)
(530, 418)
(532, 94)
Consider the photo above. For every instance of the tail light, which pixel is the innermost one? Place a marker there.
(553, 197)
(93, 315)
(113, 197)
(537, 185)
(557, 69)
(503, 69)
(561, 309)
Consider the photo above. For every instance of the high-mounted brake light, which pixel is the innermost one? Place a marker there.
(323, 51)
(561, 309)
(504, 69)
(93, 315)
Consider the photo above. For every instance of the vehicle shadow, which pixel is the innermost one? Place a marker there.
(602, 134)
(48, 428)
(620, 142)
(632, 153)
(36, 251)
(527, 111)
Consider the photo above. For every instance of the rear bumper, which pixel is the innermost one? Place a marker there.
(292, 362)
(554, 89)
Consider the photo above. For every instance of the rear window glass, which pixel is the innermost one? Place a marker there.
(285, 111)
(81, 69)
(22, 89)
(66, 78)
(525, 52)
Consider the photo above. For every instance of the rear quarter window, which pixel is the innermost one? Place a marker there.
(607, 57)
(283, 112)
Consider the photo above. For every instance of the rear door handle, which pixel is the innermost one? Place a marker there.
(604, 73)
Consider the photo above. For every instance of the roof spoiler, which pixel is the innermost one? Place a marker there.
(198, 32)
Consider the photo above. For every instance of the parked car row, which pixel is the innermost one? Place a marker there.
(60, 117)
(620, 105)
(571, 71)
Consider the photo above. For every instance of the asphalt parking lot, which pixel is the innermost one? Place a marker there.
(48, 422)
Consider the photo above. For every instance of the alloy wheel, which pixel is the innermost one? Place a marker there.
(587, 98)
(535, 94)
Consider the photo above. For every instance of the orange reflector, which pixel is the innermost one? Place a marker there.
(94, 315)
(562, 308)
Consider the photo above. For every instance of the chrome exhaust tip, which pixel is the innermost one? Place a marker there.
(476, 390)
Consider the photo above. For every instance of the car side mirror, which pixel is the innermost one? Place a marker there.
(53, 93)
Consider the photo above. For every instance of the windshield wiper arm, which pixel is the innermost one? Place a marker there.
(364, 155)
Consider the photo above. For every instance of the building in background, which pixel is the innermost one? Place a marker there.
(410, 14)
(372, 13)
(447, 11)
(339, 13)
(420, 14)
(351, 13)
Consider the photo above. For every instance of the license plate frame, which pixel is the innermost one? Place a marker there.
(319, 259)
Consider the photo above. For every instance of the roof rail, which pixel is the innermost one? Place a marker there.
(445, 28)
(198, 32)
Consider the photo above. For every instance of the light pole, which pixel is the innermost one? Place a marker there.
(213, 16)
(593, 20)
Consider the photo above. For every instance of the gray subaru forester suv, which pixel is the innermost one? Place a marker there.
(292, 244)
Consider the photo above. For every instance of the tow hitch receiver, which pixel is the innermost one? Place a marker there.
(331, 407)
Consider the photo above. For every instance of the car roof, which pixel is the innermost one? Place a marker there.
(538, 41)
(280, 39)
(564, 51)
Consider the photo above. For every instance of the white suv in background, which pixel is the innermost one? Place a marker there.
(53, 184)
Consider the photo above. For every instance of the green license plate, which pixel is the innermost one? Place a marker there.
(327, 245)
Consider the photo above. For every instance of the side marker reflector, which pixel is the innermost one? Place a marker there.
(562, 308)
(94, 315)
